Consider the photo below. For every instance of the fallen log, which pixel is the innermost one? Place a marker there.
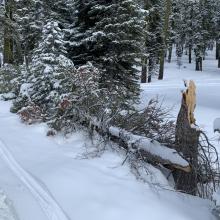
(151, 151)
(141, 147)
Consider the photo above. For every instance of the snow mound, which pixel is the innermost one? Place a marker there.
(7, 211)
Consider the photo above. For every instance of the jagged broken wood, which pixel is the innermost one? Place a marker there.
(187, 141)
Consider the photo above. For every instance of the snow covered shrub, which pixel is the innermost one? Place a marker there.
(10, 80)
(90, 104)
(23, 98)
(31, 114)
(46, 80)
(79, 104)
(87, 101)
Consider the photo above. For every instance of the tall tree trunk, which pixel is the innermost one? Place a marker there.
(168, 9)
(190, 54)
(144, 71)
(8, 35)
(217, 50)
(199, 64)
(219, 58)
(150, 69)
(170, 50)
(201, 61)
(8, 48)
(162, 61)
(149, 78)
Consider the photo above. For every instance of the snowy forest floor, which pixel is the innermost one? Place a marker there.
(48, 179)
(208, 91)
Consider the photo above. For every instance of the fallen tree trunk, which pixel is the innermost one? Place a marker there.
(151, 151)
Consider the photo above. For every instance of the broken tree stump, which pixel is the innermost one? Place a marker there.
(187, 141)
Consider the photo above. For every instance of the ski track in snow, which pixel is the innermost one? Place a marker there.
(50, 207)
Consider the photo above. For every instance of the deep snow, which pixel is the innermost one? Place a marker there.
(7, 211)
(95, 189)
(208, 91)
(48, 179)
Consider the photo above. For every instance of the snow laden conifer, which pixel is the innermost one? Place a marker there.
(109, 34)
(153, 42)
(30, 18)
(46, 81)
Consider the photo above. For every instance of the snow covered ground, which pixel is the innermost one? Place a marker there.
(208, 91)
(47, 178)
(7, 211)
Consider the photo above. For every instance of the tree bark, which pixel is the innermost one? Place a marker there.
(219, 58)
(217, 50)
(144, 71)
(162, 61)
(8, 49)
(170, 49)
(148, 150)
(168, 9)
(149, 78)
(187, 141)
(190, 54)
(152, 151)
(199, 64)
(150, 68)
(8, 35)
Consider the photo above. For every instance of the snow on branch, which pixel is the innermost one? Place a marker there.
(152, 150)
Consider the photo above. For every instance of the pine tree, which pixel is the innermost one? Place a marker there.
(194, 28)
(187, 12)
(30, 18)
(46, 80)
(154, 43)
(110, 35)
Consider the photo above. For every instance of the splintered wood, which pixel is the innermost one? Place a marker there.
(190, 99)
(187, 141)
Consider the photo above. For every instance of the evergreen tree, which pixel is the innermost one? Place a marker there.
(110, 35)
(46, 81)
(154, 43)
(30, 18)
